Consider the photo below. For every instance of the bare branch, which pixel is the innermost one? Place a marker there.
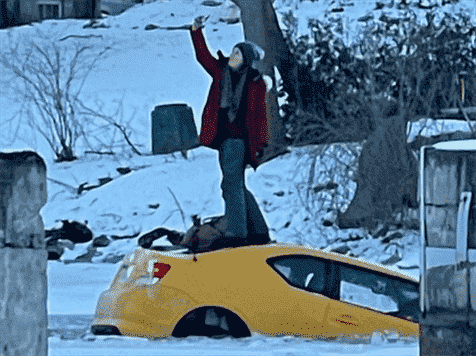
(124, 133)
(90, 68)
(79, 36)
(70, 188)
(43, 85)
(100, 153)
(178, 204)
(460, 105)
(111, 121)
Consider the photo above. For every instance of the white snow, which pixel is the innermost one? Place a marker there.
(466, 145)
(148, 68)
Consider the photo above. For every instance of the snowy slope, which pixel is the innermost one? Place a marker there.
(148, 68)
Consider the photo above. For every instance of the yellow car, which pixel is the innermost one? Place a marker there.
(272, 289)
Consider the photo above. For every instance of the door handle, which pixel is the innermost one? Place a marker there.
(347, 320)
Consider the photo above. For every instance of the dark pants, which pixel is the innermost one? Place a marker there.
(241, 209)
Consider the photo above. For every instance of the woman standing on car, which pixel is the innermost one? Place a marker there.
(234, 122)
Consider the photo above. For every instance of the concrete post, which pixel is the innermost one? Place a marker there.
(23, 256)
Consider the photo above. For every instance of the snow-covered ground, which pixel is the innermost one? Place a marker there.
(149, 68)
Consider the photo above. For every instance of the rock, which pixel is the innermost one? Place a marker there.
(101, 241)
(116, 237)
(392, 259)
(54, 251)
(396, 235)
(66, 244)
(112, 258)
(230, 21)
(105, 180)
(211, 3)
(75, 232)
(71, 334)
(87, 257)
(95, 24)
(150, 27)
(381, 232)
(341, 249)
(279, 194)
(124, 170)
(351, 238)
(366, 18)
(54, 241)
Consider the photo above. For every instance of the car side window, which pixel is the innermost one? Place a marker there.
(377, 291)
(364, 296)
(301, 271)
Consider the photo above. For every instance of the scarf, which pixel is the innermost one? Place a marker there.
(233, 83)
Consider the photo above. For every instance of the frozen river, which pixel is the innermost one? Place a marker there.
(70, 337)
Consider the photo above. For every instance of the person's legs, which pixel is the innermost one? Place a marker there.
(256, 223)
(232, 157)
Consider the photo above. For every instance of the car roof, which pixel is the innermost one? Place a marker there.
(286, 248)
(280, 249)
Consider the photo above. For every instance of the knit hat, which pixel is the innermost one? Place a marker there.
(251, 52)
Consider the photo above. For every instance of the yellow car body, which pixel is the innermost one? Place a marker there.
(256, 287)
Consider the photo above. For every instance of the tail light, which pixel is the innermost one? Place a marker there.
(161, 269)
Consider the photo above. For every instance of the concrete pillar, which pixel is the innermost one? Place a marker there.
(458, 340)
(23, 256)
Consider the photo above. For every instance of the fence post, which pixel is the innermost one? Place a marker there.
(23, 256)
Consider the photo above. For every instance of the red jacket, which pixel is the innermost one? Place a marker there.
(256, 123)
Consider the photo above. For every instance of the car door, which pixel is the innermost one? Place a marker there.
(306, 294)
(369, 302)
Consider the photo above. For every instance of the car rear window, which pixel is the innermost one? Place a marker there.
(303, 272)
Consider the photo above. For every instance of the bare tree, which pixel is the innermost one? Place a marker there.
(107, 126)
(325, 113)
(260, 26)
(52, 77)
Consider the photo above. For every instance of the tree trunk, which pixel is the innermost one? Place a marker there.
(387, 170)
(387, 177)
(260, 25)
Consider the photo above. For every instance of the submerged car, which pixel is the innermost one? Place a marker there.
(272, 289)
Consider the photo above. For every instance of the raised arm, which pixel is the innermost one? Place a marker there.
(208, 62)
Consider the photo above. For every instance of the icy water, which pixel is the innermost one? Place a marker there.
(69, 335)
